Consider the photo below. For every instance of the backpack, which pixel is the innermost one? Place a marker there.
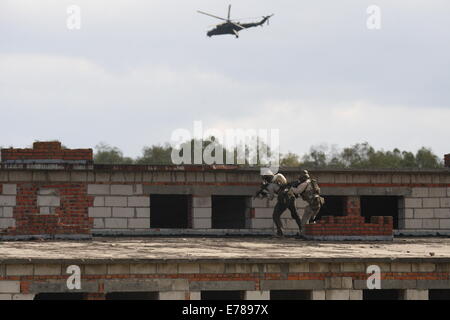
(315, 186)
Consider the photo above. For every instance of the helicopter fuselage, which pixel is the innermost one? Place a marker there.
(235, 27)
(224, 28)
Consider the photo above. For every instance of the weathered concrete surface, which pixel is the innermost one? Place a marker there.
(227, 249)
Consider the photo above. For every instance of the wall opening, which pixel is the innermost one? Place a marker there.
(380, 206)
(290, 295)
(229, 212)
(382, 294)
(60, 296)
(170, 211)
(132, 296)
(333, 206)
(439, 294)
(222, 295)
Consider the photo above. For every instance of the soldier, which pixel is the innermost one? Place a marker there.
(309, 190)
(276, 184)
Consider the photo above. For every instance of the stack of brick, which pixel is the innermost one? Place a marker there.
(47, 152)
(351, 226)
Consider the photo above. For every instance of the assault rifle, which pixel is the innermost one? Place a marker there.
(262, 191)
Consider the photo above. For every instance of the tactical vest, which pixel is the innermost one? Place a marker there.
(312, 191)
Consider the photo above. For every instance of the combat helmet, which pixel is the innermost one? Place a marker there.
(304, 175)
(267, 175)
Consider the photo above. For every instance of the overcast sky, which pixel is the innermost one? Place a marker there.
(139, 69)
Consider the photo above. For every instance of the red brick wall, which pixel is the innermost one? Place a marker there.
(256, 277)
(352, 224)
(47, 151)
(71, 217)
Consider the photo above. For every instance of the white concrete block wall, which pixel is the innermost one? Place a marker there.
(201, 212)
(415, 294)
(7, 204)
(318, 294)
(119, 207)
(172, 295)
(427, 209)
(343, 294)
(263, 215)
(8, 289)
(48, 200)
(257, 295)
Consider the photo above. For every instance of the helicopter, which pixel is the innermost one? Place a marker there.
(232, 27)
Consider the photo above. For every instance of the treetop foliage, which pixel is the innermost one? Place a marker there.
(358, 156)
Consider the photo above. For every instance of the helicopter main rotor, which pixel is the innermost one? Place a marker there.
(228, 20)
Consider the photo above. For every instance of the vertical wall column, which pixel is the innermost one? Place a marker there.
(174, 295)
(257, 295)
(8, 194)
(248, 213)
(201, 212)
(415, 294)
(95, 296)
(261, 215)
(195, 295)
(317, 295)
(343, 294)
(352, 206)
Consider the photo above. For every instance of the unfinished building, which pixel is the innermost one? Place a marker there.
(49, 192)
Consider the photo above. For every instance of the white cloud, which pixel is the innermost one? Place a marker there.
(306, 123)
(139, 69)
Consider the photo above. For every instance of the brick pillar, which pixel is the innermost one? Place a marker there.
(94, 296)
(352, 206)
(49, 151)
(447, 160)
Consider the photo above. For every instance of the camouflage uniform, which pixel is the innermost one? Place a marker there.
(311, 194)
(285, 200)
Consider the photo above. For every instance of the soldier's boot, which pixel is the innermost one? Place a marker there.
(279, 233)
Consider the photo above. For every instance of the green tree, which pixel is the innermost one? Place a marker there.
(425, 158)
(317, 157)
(290, 160)
(105, 154)
(156, 154)
(364, 156)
